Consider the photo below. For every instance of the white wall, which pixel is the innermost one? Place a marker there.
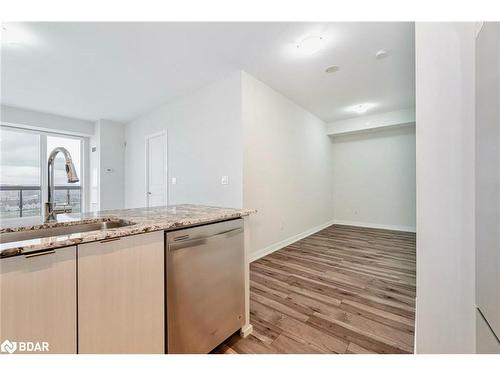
(445, 317)
(46, 121)
(204, 144)
(287, 169)
(94, 169)
(111, 168)
(374, 178)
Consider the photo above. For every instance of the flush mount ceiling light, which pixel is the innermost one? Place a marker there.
(310, 45)
(360, 108)
(332, 69)
(381, 54)
(13, 33)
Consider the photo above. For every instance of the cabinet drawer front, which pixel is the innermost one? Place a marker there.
(38, 299)
(121, 295)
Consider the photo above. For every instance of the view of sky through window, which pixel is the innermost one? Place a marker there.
(19, 158)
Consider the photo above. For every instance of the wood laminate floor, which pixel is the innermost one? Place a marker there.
(342, 290)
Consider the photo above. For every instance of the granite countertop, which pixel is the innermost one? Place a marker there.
(143, 220)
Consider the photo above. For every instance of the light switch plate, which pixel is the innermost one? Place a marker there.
(224, 180)
(174, 180)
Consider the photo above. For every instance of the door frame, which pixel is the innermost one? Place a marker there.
(146, 164)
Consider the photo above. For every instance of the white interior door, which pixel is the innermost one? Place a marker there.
(156, 170)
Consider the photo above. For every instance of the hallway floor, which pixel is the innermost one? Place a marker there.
(342, 290)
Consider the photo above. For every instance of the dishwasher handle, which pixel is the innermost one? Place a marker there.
(202, 240)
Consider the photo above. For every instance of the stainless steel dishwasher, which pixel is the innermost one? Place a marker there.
(205, 286)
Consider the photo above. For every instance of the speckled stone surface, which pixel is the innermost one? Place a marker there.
(143, 220)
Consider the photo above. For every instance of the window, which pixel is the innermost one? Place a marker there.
(23, 171)
(20, 183)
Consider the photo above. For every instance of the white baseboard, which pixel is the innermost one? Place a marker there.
(279, 245)
(400, 228)
(415, 330)
(246, 330)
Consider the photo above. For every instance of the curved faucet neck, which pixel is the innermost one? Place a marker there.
(70, 172)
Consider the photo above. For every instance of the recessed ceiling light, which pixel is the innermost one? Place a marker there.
(310, 45)
(381, 54)
(14, 33)
(360, 108)
(332, 69)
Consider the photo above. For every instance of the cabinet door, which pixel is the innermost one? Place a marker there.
(121, 295)
(38, 299)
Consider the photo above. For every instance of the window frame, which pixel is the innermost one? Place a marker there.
(43, 160)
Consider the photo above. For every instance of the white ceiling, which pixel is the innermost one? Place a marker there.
(118, 71)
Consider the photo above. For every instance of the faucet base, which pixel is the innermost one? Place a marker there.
(51, 211)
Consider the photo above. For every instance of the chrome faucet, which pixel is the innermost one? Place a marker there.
(51, 208)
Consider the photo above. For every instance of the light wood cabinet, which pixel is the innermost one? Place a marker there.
(38, 299)
(121, 295)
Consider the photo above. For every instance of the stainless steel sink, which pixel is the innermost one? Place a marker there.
(67, 228)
